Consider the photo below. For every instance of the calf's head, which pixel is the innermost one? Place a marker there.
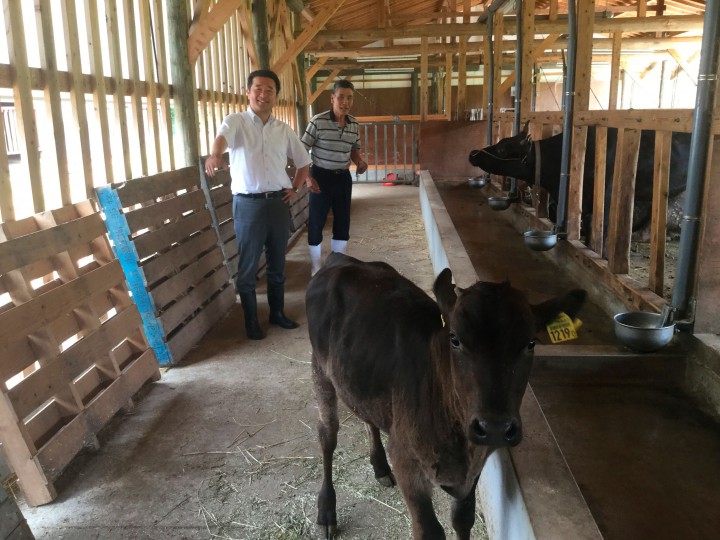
(510, 149)
(491, 332)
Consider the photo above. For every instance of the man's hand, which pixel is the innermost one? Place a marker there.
(312, 185)
(361, 167)
(212, 163)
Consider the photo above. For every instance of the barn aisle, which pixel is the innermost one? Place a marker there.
(224, 446)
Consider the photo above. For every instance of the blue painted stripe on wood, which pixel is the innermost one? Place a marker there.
(126, 253)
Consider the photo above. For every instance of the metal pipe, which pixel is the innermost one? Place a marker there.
(702, 117)
(488, 79)
(518, 66)
(568, 98)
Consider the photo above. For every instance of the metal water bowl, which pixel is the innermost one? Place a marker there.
(643, 331)
(499, 203)
(477, 181)
(540, 240)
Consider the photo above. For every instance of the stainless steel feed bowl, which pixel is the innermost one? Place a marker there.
(540, 240)
(499, 203)
(638, 330)
(477, 182)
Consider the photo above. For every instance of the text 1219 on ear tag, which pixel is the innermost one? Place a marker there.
(562, 328)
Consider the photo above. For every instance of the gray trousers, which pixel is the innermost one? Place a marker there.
(260, 224)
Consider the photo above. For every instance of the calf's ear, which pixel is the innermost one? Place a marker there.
(444, 291)
(570, 303)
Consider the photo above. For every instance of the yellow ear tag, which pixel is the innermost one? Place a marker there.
(443, 320)
(563, 328)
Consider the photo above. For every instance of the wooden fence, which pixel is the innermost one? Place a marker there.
(71, 342)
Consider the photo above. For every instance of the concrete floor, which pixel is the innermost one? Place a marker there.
(224, 446)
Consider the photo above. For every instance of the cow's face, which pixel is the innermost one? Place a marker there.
(516, 148)
(491, 330)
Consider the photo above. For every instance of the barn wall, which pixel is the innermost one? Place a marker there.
(445, 146)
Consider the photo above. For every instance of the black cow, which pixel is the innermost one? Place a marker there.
(444, 380)
(515, 157)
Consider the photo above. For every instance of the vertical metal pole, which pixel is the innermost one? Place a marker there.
(395, 152)
(702, 121)
(377, 168)
(367, 173)
(569, 87)
(385, 141)
(404, 150)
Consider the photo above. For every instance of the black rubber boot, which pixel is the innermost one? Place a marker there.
(252, 325)
(276, 300)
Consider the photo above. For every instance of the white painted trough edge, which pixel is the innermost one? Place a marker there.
(529, 491)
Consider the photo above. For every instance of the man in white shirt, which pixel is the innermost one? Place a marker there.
(259, 146)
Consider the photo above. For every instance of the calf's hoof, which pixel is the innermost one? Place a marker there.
(326, 532)
(387, 481)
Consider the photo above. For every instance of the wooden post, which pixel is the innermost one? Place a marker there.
(186, 124)
(260, 33)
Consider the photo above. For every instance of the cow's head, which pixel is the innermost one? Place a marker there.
(491, 329)
(516, 148)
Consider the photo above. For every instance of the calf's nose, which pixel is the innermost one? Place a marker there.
(495, 432)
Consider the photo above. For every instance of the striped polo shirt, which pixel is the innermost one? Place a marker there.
(329, 144)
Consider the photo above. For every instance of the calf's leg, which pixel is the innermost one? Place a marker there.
(378, 459)
(417, 492)
(328, 426)
(463, 514)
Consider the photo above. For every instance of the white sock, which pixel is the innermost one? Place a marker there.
(315, 254)
(338, 246)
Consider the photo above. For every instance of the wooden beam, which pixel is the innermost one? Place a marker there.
(245, 20)
(615, 70)
(536, 53)
(307, 35)
(528, 32)
(680, 23)
(330, 78)
(448, 86)
(658, 232)
(423, 80)
(462, 79)
(203, 31)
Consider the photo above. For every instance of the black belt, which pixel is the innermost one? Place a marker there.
(331, 171)
(264, 195)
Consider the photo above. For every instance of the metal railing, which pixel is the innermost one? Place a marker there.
(390, 150)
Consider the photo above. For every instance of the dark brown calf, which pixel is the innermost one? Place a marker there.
(444, 380)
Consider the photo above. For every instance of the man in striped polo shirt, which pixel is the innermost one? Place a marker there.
(333, 140)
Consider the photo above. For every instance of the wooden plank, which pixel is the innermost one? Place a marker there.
(176, 285)
(77, 94)
(113, 36)
(615, 70)
(141, 190)
(163, 84)
(167, 263)
(17, 53)
(195, 299)
(597, 236)
(163, 239)
(154, 216)
(707, 289)
(18, 451)
(621, 206)
(47, 307)
(149, 69)
(658, 225)
(100, 93)
(190, 334)
(323, 85)
(7, 209)
(210, 23)
(245, 22)
(22, 251)
(679, 120)
(17, 356)
(48, 63)
(307, 35)
(576, 179)
(528, 33)
(134, 75)
(462, 79)
(583, 63)
(448, 86)
(423, 80)
(60, 372)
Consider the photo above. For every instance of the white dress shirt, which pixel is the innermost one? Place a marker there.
(259, 152)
